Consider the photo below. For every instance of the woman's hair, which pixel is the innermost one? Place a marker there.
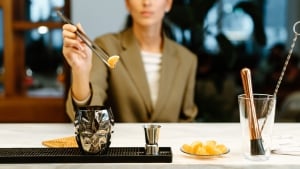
(128, 22)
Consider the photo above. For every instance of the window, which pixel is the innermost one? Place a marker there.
(44, 60)
(34, 71)
(44, 63)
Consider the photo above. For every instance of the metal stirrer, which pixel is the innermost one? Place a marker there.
(284, 68)
(287, 59)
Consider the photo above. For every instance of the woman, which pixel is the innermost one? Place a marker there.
(154, 79)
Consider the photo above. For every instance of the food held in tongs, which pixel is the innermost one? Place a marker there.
(110, 61)
(256, 145)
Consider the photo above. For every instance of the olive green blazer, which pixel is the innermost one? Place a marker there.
(125, 88)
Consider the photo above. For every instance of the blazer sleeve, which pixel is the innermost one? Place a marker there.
(98, 81)
(98, 86)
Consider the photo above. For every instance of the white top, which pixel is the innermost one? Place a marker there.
(171, 135)
(152, 64)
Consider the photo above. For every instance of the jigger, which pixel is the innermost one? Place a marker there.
(151, 136)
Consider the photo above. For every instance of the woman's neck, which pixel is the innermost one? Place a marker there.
(149, 39)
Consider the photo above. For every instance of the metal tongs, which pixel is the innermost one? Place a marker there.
(93, 46)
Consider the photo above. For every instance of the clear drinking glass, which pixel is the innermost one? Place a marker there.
(257, 131)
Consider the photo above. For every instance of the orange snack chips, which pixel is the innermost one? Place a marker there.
(210, 147)
(112, 61)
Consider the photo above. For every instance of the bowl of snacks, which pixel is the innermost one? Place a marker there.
(209, 148)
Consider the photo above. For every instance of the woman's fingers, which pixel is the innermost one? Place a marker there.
(70, 37)
(69, 27)
(75, 50)
(68, 34)
(73, 43)
(75, 58)
(74, 54)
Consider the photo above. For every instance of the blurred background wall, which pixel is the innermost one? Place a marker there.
(226, 35)
(99, 17)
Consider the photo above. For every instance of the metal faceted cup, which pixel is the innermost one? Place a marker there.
(93, 128)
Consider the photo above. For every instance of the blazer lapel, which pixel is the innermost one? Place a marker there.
(132, 60)
(170, 65)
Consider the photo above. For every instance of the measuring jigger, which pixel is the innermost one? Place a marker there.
(151, 136)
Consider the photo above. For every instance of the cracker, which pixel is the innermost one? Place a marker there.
(69, 141)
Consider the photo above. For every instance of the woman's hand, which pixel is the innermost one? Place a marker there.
(75, 51)
(79, 57)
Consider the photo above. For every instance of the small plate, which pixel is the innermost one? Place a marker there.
(205, 156)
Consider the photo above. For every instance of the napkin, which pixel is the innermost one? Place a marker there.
(68, 141)
(286, 145)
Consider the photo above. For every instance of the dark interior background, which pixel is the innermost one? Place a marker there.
(229, 35)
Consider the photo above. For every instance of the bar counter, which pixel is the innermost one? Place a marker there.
(174, 135)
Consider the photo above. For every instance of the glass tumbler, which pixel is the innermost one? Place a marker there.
(257, 126)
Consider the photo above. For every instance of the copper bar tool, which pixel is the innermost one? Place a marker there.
(256, 145)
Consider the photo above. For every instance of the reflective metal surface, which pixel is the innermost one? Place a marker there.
(93, 128)
(151, 136)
